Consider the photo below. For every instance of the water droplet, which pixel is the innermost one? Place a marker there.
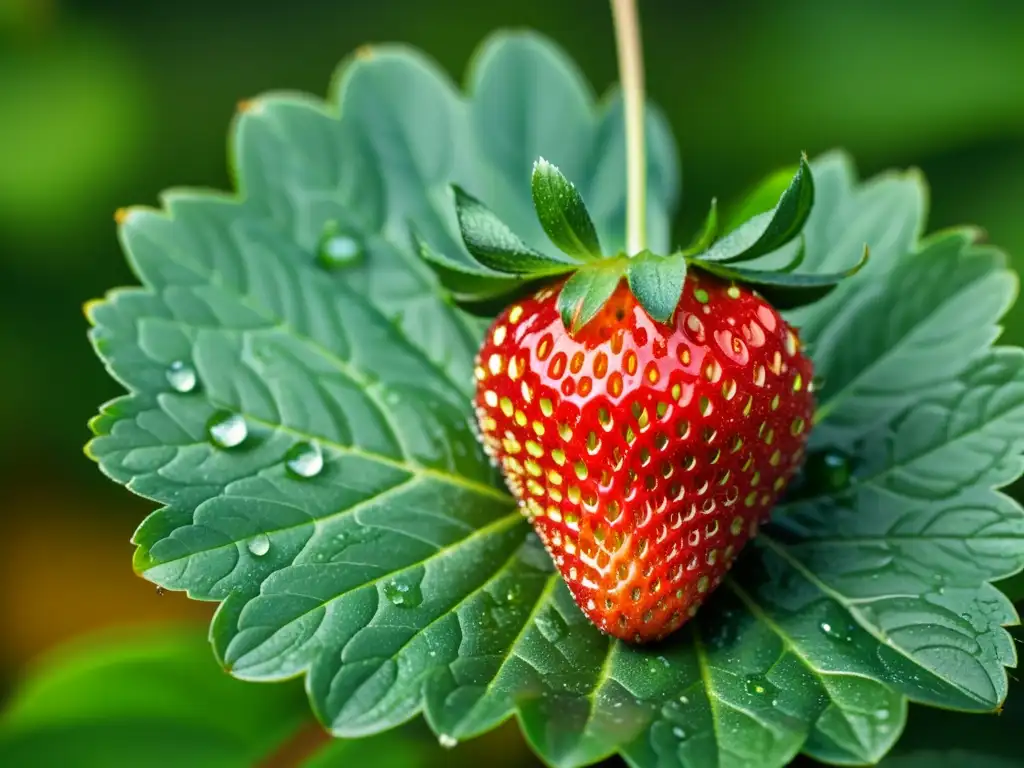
(226, 429)
(339, 247)
(881, 714)
(837, 469)
(447, 741)
(835, 632)
(160, 591)
(181, 376)
(679, 733)
(551, 626)
(513, 593)
(759, 686)
(402, 594)
(259, 544)
(304, 459)
(684, 700)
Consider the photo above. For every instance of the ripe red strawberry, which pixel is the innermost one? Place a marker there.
(645, 455)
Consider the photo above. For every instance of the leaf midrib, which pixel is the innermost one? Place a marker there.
(870, 628)
(788, 642)
(542, 599)
(440, 552)
(420, 631)
(827, 407)
(448, 478)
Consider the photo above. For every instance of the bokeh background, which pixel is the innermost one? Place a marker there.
(105, 102)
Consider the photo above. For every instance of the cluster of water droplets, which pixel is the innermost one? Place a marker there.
(403, 593)
(227, 429)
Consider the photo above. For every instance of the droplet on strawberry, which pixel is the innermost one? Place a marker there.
(645, 454)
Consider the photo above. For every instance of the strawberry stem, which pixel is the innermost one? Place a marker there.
(631, 74)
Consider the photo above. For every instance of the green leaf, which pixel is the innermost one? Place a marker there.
(784, 289)
(941, 735)
(108, 702)
(936, 313)
(529, 100)
(706, 236)
(583, 294)
(160, 698)
(355, 533)
(497, 247)
(657, 283)
(562, 212)
(767, 232)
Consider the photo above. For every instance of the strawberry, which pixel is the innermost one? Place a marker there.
(645, 454)
(646, 410)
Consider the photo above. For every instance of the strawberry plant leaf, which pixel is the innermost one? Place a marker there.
(657, 283)
(583, 294)
(771, 230)
(521, 74)
(494, 245)
(304, 424)
(562, 212)
(942, 310)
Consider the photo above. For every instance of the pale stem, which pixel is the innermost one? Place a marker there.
(631, 75)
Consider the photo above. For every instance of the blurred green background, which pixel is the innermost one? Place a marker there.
(103, 104)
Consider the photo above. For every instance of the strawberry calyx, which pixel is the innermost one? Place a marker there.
(498, 266)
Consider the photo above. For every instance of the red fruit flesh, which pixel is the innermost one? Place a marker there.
(645, 455)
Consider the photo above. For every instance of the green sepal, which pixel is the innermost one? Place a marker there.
(464, 279)
(768, 231)
(562, 212)
(784, 290)
(583, 294)
(762, 197)
(706, 236)
(492, 243)
(657, 282)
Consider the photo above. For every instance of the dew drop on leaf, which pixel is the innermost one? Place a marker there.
(339, 248)
(835, 632)
(181, 376)
(304, 460)
(447, 741)
(227, 430)
(679, 733)
(403, 595)
(837, 469)
(881, 714)
(259, 544)
(759, 686)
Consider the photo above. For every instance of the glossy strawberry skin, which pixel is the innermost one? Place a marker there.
(645, 455)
